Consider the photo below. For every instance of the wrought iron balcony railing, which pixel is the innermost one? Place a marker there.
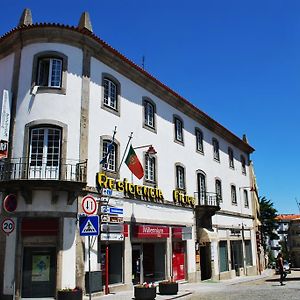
(22, 169)
(207, 199)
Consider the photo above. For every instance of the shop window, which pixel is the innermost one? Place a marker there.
(49, 73)
(248, 253)
(231, 158)
(149, 114)
(111, 94)
(199, 141)
(223, 256)
(216, 149)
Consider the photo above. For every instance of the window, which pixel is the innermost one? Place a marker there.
(49, 72)
(219, 190)
(233, 195)
(111, 94)
(150, 168)
(230, 156)
(199, 141)
(180, 177)
(246, 201)
(201, 188)
(243, 162)
(45, 152)
(248, 253)
(216, 149)
(149, 114)
(111, 160)
(178, 130)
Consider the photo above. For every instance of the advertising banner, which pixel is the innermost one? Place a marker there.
(5, 123)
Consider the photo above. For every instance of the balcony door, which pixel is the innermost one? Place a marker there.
(44, 156)
(201, 180)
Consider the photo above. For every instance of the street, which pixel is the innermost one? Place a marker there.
(267, 288)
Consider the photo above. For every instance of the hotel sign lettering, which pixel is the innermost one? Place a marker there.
(129, 189)
(183, 199)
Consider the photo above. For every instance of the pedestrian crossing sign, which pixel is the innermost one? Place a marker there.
(89, 225)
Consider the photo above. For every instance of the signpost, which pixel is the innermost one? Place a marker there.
(8, 226)
(89, 226)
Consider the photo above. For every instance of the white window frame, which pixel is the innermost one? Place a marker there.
(246, 199)
(199, 141)
(180, 177)
(216, 149)
(178, 130)
(218, 186)
(149, 117)
(111, 162)
(231, 158)
(233, 195)
(150, 168)
(54, 73)
(110, 100)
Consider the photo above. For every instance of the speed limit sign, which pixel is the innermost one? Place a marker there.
(89, 205)
(8, 226)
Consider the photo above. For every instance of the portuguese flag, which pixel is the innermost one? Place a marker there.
(134, 164)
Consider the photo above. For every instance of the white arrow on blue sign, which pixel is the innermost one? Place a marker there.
(112, 210)
(89, 226)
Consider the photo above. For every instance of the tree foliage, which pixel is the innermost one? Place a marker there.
(268, 222)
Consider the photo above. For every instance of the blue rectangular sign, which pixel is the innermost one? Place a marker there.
(89, 225)
(116, 211)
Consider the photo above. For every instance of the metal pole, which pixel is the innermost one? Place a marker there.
(89, 252)
(106, 269)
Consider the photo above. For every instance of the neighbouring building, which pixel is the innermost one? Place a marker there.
(294, 242)
(73, 100)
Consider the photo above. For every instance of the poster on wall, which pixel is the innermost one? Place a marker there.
(40, 268)
(5, 123)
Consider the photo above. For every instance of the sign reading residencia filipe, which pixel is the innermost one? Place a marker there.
(140, 192)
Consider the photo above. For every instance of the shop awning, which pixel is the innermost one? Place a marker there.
(206, 236)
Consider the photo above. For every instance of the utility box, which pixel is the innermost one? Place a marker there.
(96, 282)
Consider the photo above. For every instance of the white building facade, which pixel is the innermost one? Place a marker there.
(69, 92)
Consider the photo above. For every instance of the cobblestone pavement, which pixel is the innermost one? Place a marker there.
(267, 288)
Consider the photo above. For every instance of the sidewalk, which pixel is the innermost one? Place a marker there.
(187, 289)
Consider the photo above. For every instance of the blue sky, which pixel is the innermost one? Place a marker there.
(237, 60)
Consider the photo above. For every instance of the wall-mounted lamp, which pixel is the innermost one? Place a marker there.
(151, 151)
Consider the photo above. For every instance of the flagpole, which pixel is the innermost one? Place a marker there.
(108, 198)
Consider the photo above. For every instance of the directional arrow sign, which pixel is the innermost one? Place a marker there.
(89, 226)
(112, 210)
(117, 228)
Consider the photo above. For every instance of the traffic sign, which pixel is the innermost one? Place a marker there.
(112, 210)
(117, 228)
(89, 205)
(112, 236)
(106, 192)
(89, 225)
(10, 203)
(8, 226)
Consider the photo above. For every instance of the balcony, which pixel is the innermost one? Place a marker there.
(17, 174)
(207, 205)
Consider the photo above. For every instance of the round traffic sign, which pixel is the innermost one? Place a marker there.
(10, 203)
(8, 226)
(89, 205)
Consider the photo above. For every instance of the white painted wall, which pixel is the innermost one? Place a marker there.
(9, 262)
(69, 254)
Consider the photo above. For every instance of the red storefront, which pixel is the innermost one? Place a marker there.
(149, 246)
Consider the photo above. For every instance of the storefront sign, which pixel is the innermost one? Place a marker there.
(183, 199)
(151, 231)
(130, 190)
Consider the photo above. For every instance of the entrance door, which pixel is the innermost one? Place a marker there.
(205, 261)
(39, 272)
(137, 264)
